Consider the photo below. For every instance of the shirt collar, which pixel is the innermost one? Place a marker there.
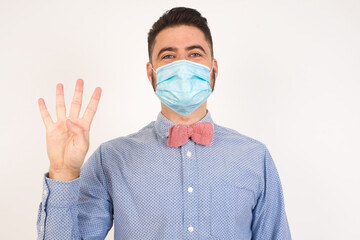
(162, 124)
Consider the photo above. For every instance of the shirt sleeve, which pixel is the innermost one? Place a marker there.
(78, 209)
(269, 217)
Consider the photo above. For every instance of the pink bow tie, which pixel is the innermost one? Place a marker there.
(201, 133)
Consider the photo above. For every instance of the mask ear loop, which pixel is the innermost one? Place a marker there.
(154, 71)
(212, 66)
(153, 68)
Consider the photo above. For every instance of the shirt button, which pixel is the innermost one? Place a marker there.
(188, 154)
(42, 228)
(190, 189)
(190, 229)
(45, 192)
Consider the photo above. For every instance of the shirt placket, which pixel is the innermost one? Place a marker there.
(190, 190)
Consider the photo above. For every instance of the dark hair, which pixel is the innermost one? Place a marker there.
(179, 16)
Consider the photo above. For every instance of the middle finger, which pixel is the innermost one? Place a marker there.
(77, 99)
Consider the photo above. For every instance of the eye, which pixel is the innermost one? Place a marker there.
(168, 56)
(195, 55)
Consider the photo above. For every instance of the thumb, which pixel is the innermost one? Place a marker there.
(75, 129)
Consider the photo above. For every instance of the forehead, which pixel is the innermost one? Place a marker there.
(179, 37)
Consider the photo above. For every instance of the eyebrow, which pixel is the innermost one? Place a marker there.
(196, 47)
(166, 49)
(172, 49)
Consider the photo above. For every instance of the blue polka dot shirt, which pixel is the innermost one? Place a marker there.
(147, 190)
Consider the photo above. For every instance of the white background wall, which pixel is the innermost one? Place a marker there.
(289, 76)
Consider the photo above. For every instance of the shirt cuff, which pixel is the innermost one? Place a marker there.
(61, 193)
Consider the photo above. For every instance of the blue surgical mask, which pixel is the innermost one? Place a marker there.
(183, 85)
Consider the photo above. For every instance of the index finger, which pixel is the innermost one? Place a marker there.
(92, 106)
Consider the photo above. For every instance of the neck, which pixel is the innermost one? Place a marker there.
(188, 120)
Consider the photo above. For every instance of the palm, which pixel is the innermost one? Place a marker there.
(68, 141)
(63, 145)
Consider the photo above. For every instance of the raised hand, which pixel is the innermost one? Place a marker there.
(67, 140)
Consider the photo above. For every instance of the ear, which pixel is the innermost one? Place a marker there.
(149, 72)
(215, 68)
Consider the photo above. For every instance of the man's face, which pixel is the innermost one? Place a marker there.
(179, 43)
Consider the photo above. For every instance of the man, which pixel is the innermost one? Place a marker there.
(180, 177)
